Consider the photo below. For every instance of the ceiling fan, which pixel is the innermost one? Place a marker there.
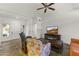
(46, 6)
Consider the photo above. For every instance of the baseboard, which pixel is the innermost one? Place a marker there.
(9, 40)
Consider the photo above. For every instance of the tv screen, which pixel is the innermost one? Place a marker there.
(52, 29)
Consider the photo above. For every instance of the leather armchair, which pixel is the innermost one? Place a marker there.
(74, 47)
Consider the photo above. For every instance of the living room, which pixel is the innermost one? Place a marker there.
(25, 17)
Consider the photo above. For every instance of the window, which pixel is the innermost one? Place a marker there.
(5, 30)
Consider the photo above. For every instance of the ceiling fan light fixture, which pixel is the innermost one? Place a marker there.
(46, 6)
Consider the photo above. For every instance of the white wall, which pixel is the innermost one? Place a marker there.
(15, 28)
(17, 15)
(67, 18)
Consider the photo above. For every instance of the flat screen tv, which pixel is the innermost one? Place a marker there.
(52, 29)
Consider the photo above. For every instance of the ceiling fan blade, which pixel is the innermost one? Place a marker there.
(40, 8)
(43, 4)
(51, 8)
(45, 10)
(51, 4)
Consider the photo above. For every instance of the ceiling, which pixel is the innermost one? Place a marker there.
(18, 9)
(29, 9)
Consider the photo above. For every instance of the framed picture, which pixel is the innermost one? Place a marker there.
(5, 30)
